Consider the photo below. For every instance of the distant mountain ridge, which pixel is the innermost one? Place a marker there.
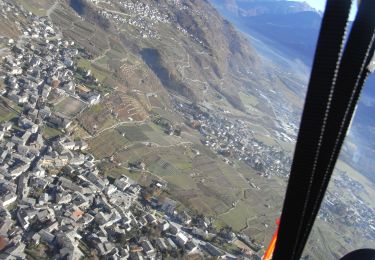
(292, 28)
(248, 8)
(289, 26)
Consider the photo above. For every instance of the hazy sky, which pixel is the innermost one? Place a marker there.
(320, 5)
(317, 4)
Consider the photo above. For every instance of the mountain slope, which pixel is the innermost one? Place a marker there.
(292, 28)
(289, 26)
(248, 8)
(193, 50)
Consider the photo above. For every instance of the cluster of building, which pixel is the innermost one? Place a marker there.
(189, 234)
(142, 16)
(46, 188)
(54, 201)
(186, 32)
(39, 69)
(232, 138)
(351, 210)
(60, 200)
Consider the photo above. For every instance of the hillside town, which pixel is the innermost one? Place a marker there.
(54, 202)
(233, 139)
(352, 212)
(146, 19)
(142, 16)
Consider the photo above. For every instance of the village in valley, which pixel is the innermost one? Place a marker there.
(234, 139)
(91, 168)
(54, 201)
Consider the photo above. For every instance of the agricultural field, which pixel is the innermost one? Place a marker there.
(369, 193)
(163, 168)
(167, 114)
(126, 107)
(115, 172)
(6, 114)
(96, 118)
(90, 37)
(106, 144)
(38, 7)
(268, 140)
(133, 133)
(98, 72)
(237, 216)
(230, 185)
(134, 152)
(181, 158)
(142, 178)
(328, 242)
(200, 206)
(50, 132)
(36, 251)
(205, 184)
(248, 99)
(103, 62)
(182, 181)
(69, 106)
(148, 132)
(79, 133)
(160, 138)
(155, 103)
(9, 105)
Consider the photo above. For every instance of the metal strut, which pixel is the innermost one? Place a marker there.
(335, 84)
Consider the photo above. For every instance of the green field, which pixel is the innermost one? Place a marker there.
(267, 140)
(134, 152)
(100, 74)
(201, 206)
(180, 156)
(107, 144)
(237, 217)
(10, 105)
(248, 99)
(147, 133)
(163, 168)
(117, 172)
(328, 242)
(133, 133)
(369, 194)
(332, 241)
(167, 115)
(103, 62)
(96, 118)
(36, 251)
(159, 138)
(181, 181)
(6, 114)
(69, 106)
(142, 178)
(37, 8)
(50, 132)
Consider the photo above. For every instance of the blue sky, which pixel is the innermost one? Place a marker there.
(317, 4)
(320, 5)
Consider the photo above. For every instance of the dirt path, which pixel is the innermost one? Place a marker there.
(114, 126)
